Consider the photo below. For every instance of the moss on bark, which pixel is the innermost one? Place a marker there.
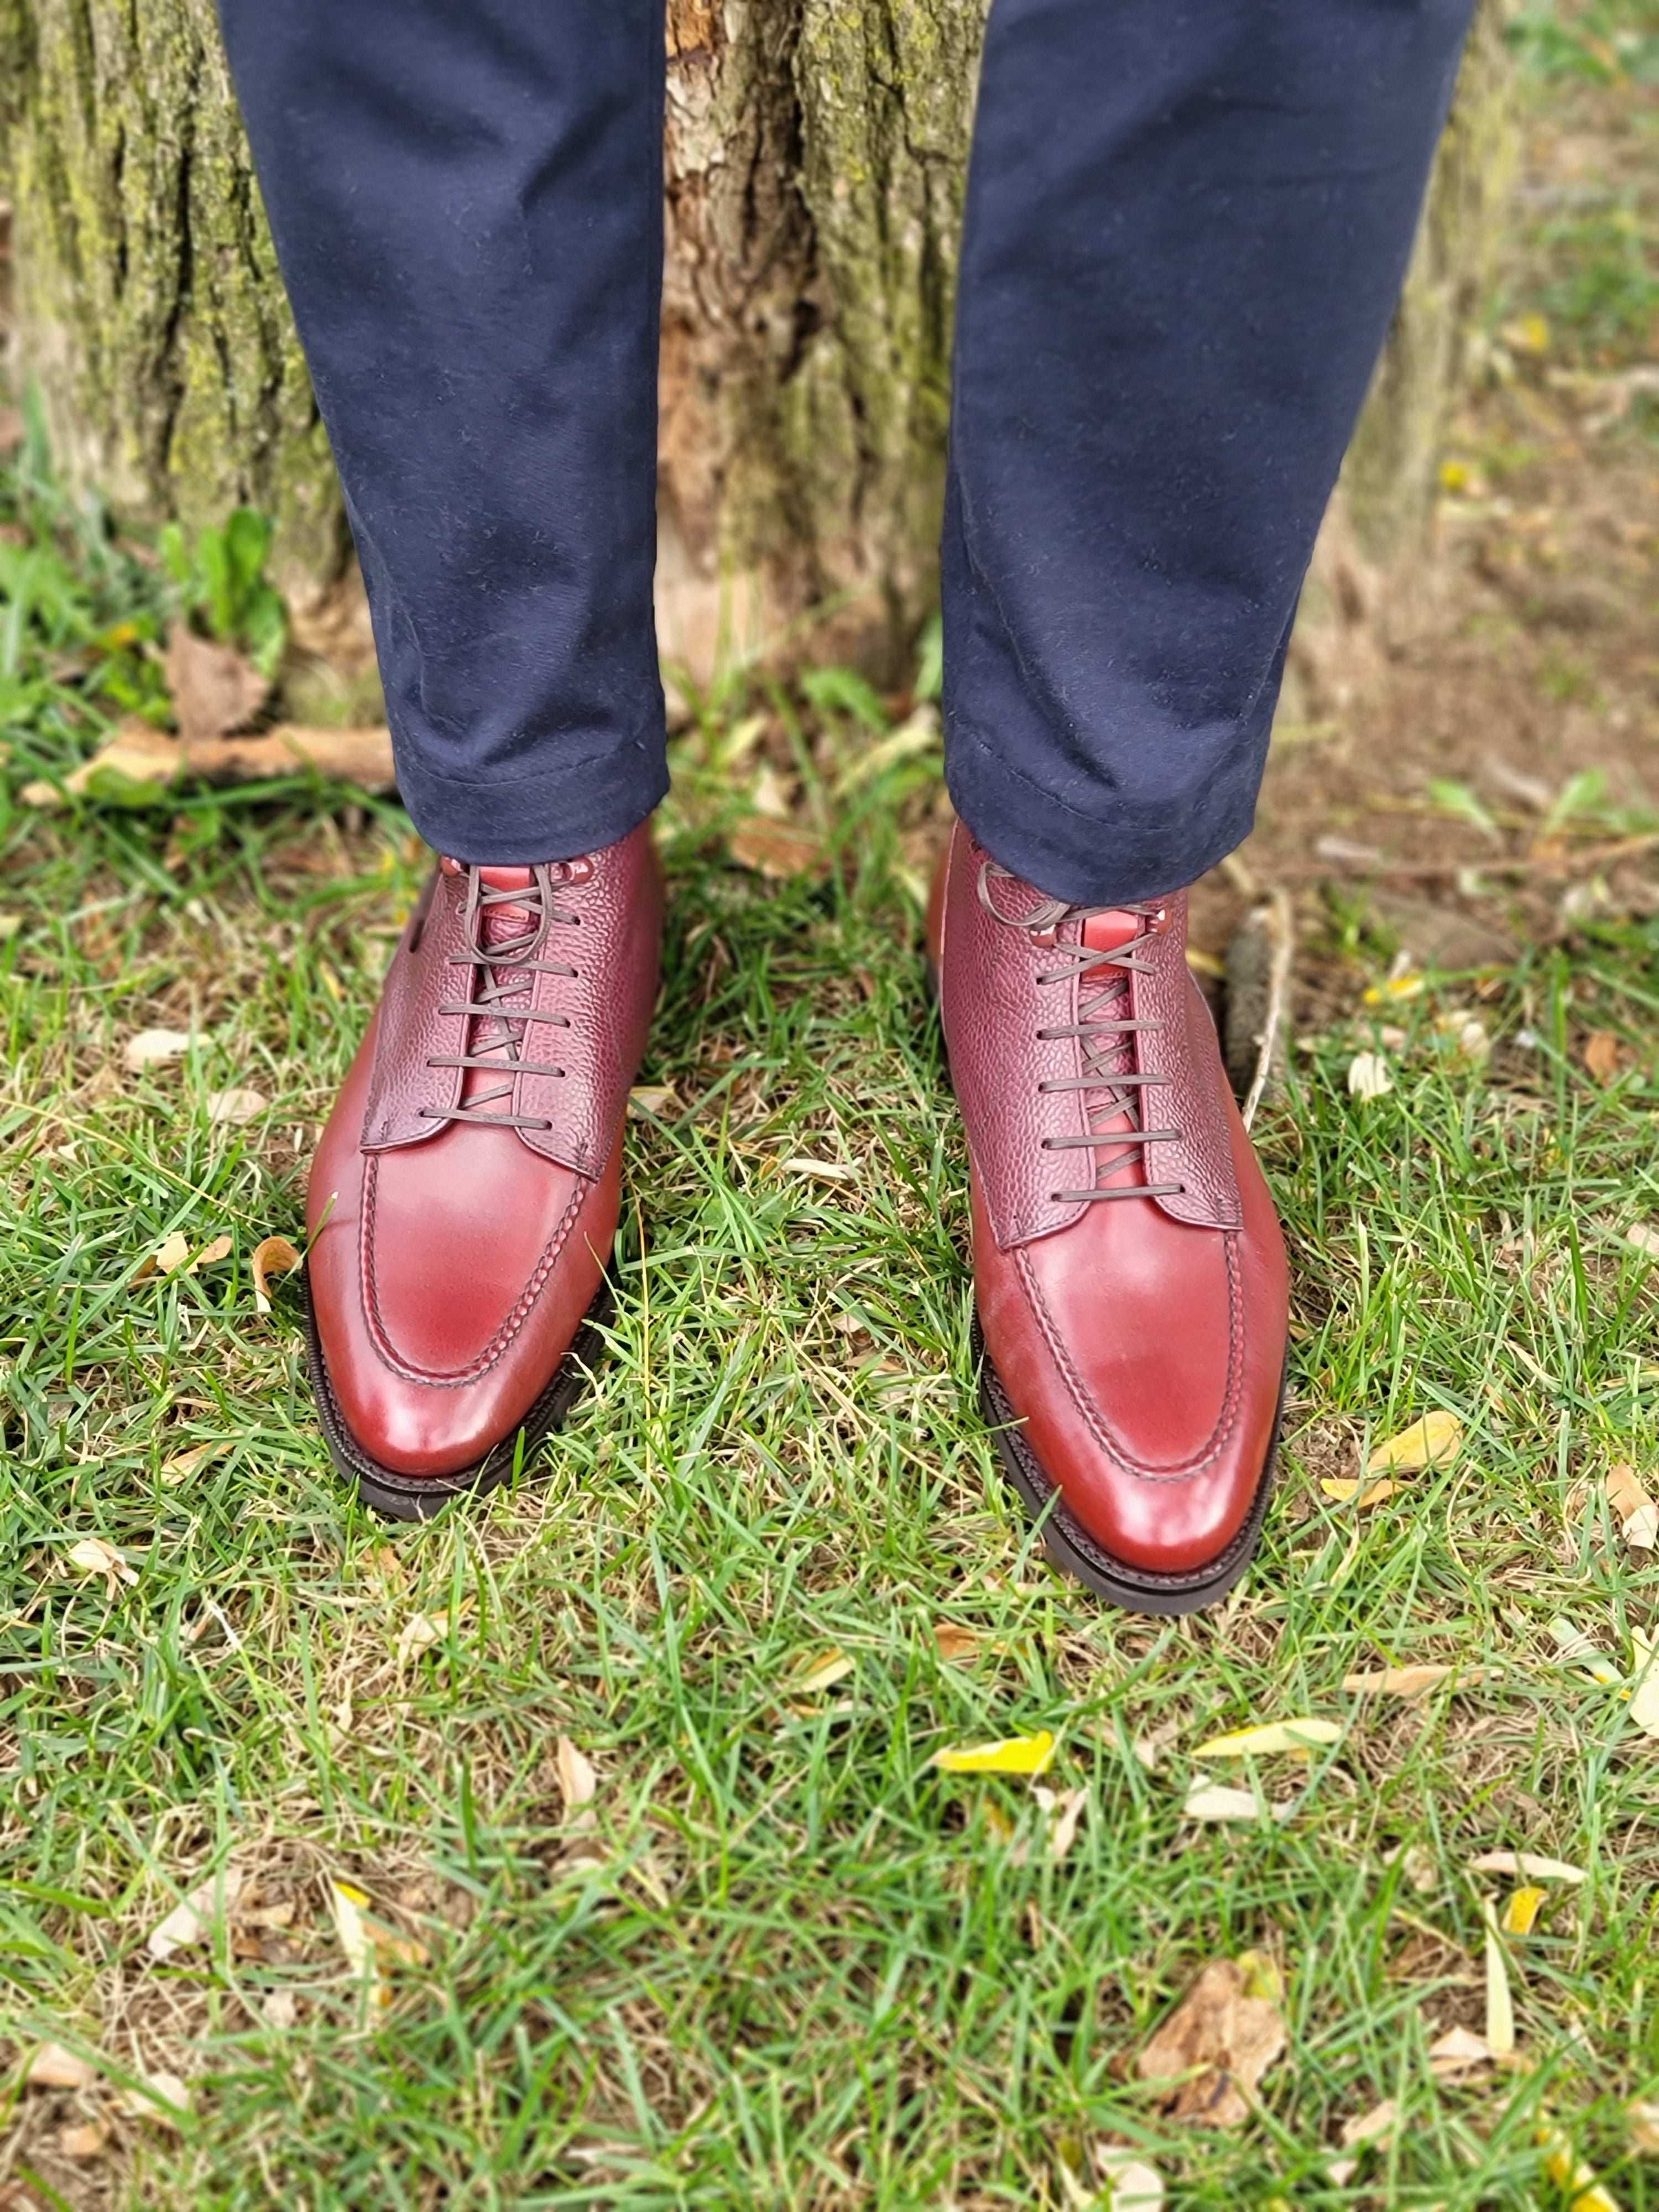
(151, 312)
(1391, 473)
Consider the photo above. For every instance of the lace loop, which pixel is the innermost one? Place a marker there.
(1104, 1030)
(503, 970)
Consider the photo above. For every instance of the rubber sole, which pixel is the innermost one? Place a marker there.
(416, 1498)
(1069, 1544)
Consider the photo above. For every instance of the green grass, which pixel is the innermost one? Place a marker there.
(806, 1969)
(788, 1963)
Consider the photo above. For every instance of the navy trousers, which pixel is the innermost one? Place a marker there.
(1188, 222)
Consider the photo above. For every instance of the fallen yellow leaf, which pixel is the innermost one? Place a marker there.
(1395, 991)
(1017, 1754)
(1373, 2127)
(1272, 1737)
(1345, 1487)
(1578, 1650)
(271, 1256)
(1500, 2005)
(1521, 1913)
(1432, 1441)
(1570, 2175)
(957, 1645)
(822, 1674)
(364, 1939)
(419, 1634)
(184, 1464)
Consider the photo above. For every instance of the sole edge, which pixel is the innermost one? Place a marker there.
(418, 1497)
(1076, 1553)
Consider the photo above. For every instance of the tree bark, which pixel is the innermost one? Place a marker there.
(151, 314)
(814, 166)
(1391, 471)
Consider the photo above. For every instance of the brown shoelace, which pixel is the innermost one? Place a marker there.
(504, 968)
(1103, 1033)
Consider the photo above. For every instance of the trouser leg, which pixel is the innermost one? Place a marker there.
(466, 198)
(1188, 223)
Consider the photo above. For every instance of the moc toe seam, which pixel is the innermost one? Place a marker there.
(1215, 1446)
(495, 1351)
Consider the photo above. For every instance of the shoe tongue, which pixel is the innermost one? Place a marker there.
(1106, 989)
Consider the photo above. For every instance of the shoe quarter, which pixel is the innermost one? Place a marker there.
(412, 1028)
(993, 1008)
(1195, 1101)
(605, 1008)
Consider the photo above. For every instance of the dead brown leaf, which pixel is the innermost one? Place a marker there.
(136, 756)
(360, 756)
(172, 1255)
(164, 2100)
(1634, 1511)
(957, 1645)
(1215, 2047)
(1602, 1055)
(84, 2142)
(1374, 2126)
(235, 1107)
(272, 1256)
(778, 849)
(11, 431)
(210, 1254)
(152, 1047)
(192, 1919)
(213, 689)
(1459, 2053)
(181, 1465)
(54, 2067)
(92, 1556)
(1411, 1682)
(577, 1783)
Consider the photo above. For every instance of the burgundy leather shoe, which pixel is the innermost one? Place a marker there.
(1129, 1272)
(463, 1197)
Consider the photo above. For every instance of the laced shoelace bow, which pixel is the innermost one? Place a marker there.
(1103, 1030)
(505, 969)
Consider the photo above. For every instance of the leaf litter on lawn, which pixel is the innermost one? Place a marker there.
(1208, 2059)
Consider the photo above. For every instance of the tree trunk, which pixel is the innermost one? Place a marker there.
(151, 311)
(814, 168)
(1393, 466)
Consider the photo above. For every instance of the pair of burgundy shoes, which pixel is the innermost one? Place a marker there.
(1128, 1268)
